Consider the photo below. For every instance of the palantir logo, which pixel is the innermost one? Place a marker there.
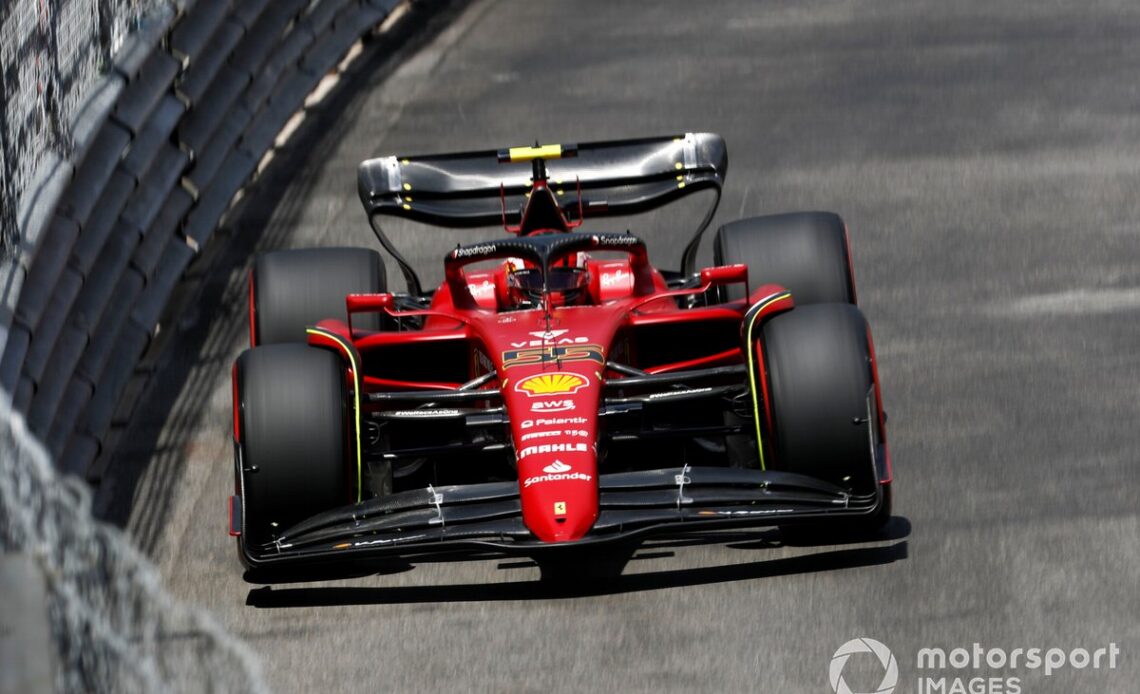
(863, 645)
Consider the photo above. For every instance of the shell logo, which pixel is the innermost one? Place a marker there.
(551, 384)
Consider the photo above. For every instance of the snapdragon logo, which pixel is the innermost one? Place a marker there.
(863, 645)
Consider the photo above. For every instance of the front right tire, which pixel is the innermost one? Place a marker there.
(825, 411)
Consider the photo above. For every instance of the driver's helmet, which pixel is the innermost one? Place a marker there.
(567, 286)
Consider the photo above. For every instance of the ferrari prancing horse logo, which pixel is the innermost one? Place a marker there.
(560, 508)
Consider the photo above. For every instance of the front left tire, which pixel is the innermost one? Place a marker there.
(293, 441)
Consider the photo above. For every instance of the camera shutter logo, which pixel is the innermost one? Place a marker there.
(863, 645)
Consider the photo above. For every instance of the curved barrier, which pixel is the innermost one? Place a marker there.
(194, 100)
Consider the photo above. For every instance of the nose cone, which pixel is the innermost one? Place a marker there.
(551, 370)
(560, 499)
(554, 426)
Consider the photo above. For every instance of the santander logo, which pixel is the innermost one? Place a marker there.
(557, 471)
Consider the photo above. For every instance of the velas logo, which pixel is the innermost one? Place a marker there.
(557, 383)
(863, 645)
(554, 337)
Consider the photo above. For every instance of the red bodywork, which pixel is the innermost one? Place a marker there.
(550, 370)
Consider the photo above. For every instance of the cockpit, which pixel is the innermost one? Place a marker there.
(548, 271)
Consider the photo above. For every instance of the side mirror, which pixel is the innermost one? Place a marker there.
(368, 303)
(725, 274)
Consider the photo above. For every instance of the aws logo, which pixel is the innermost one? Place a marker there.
(544, 406)
(557, 383)
(553, 353)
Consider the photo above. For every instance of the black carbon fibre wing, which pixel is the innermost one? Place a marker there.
(485, 520)
(617, 177)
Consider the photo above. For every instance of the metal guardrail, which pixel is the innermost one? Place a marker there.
(165, 141)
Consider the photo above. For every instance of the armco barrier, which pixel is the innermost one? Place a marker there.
(195, 98)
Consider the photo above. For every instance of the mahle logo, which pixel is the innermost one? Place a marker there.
(863, 645)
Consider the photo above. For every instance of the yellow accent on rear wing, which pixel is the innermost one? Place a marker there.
(521, 154)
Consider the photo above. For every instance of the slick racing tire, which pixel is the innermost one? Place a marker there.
(806, 252)
(293, 289)
(823, 400)
(292, 437)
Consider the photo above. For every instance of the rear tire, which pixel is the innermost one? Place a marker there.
(806, 252)
(293, 289)
(294, 437)
(823, 400)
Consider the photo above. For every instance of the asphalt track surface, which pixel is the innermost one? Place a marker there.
(986, 157)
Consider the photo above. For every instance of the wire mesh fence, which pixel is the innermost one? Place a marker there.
(114, 627)
(52, 52)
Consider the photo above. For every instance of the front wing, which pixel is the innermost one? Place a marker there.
(485, 520)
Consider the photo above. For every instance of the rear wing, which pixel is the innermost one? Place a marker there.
(616, 177)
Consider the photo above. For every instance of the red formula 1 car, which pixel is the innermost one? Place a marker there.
(556, 391)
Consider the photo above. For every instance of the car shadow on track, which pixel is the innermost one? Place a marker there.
(610, 580)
